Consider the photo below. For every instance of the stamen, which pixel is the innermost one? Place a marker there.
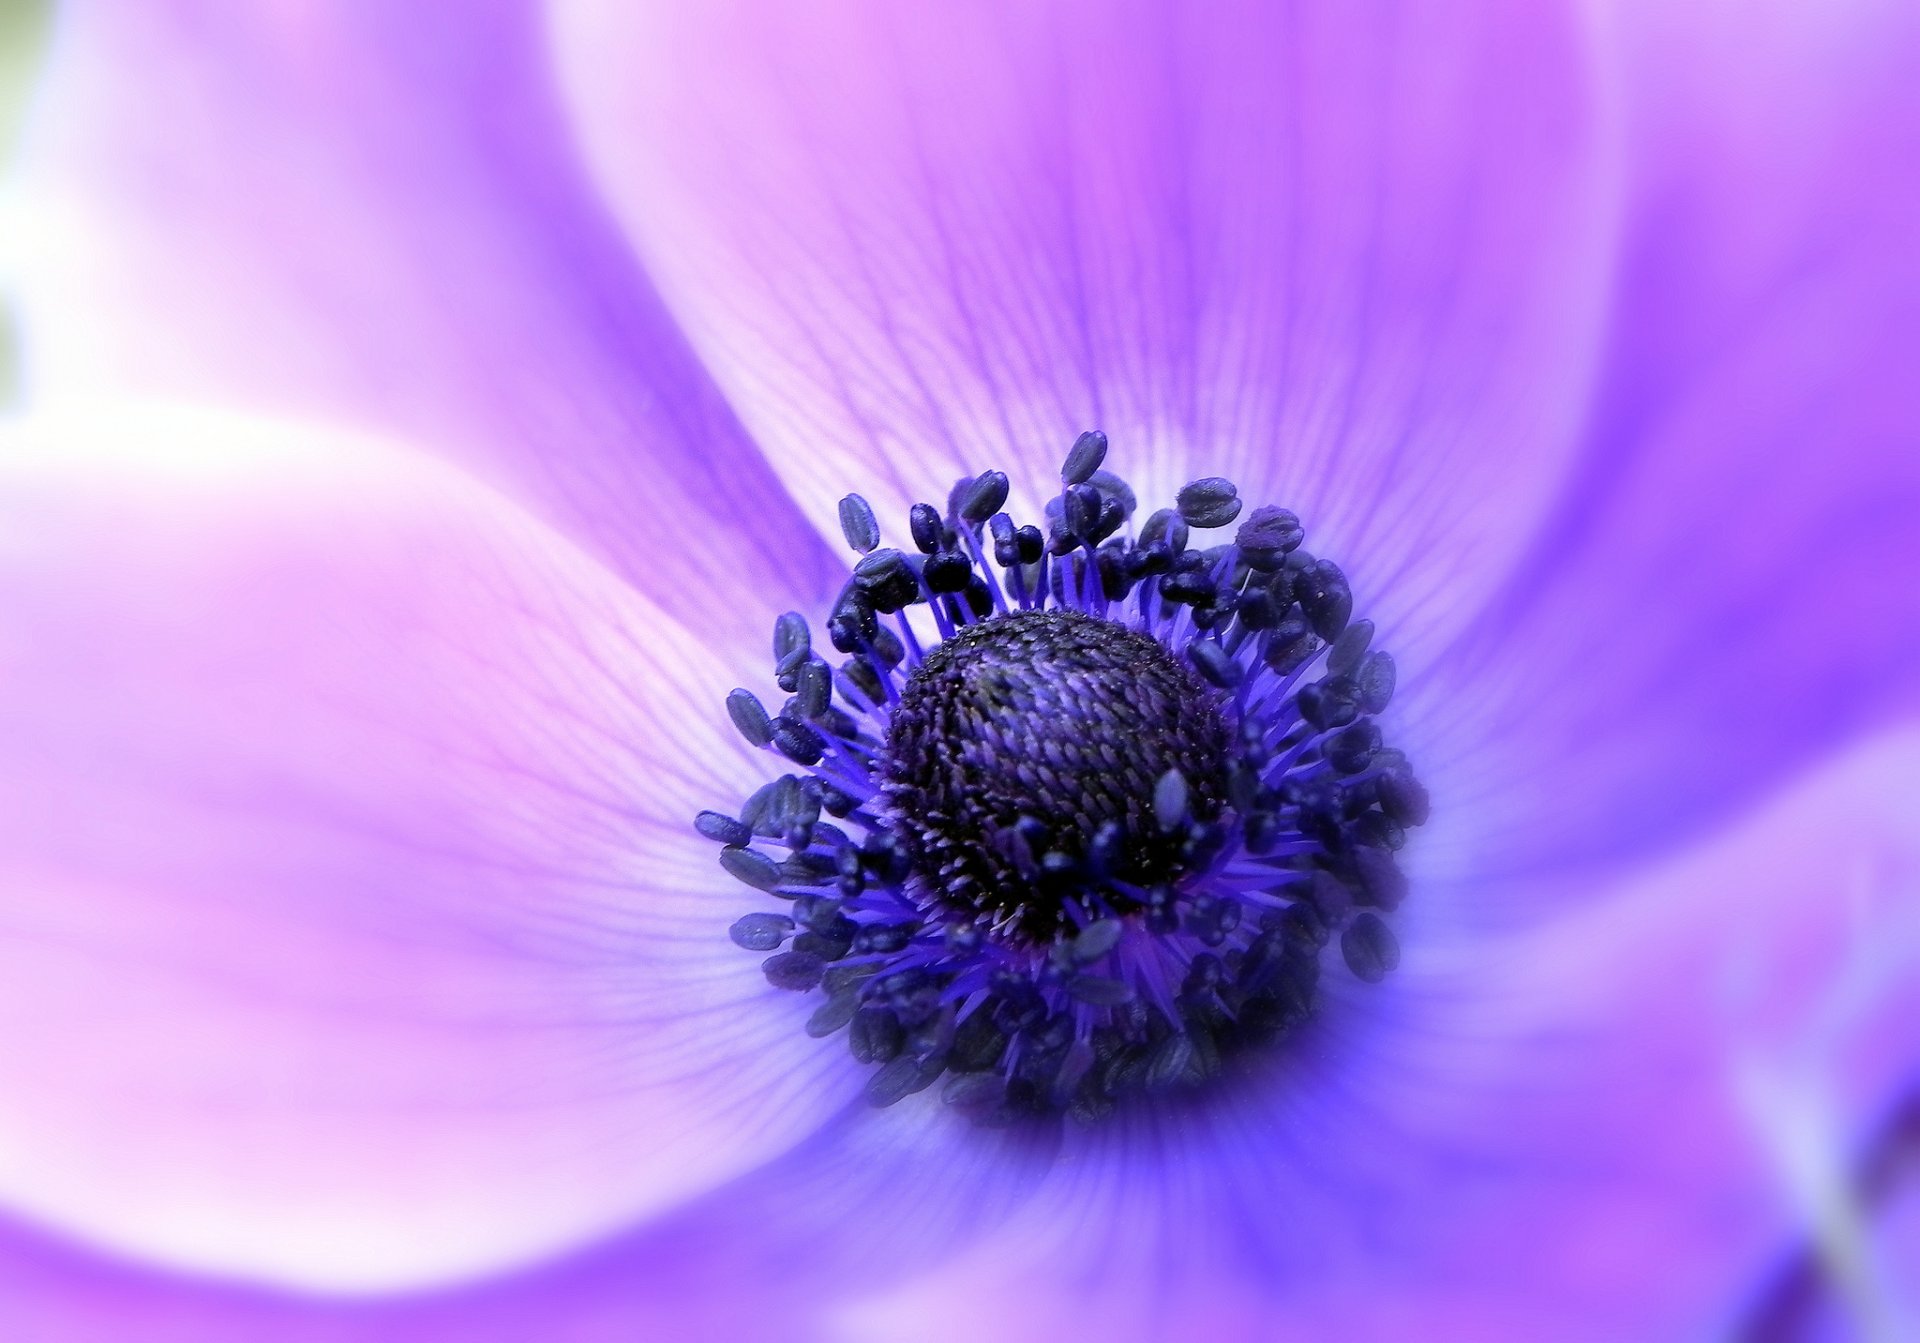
(1106, 798)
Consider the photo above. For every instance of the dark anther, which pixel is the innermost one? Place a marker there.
(1031, 543)
(813, 688)
(927, 529)
(982, 499)
(1211, 501)
(1376, 878)
(760, 932)
(784, 809)
(1193, 587)
(1334, 702)
(1082, 509)
(1330, 897)
(979, 600)
(1324, 598)
(744, 708)
(1352, 748)
(1376, 678)
(1089, 450)
(1369, 948)
(798, 742)
(786, 672)
(722, 828)
(756, 869)
(947, 572)
(886, 581)
(789, 636)
(1266, 537)
(874, 1036)
(1402, 797)
(886, 646)
(833, 1014)
(852, 625)
(1290, 645)
(1006, 552)
(795, 971)
(858, 524)
(1257, 610)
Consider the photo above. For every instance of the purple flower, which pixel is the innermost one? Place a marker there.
(428, 416)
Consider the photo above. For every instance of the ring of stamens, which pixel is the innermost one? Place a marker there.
(1077, 823)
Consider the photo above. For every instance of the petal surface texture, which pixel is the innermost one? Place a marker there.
(372, 214)
(1573, 1133)
(354, 930)
(1725, 589)
(1350, 256)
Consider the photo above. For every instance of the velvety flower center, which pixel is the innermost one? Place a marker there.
(1023, 759)
(1076, 811)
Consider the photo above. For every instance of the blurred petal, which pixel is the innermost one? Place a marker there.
(1858, 1273)
(1549, 1135)
(1351, 255)
(1726, 590)
(57, 1292)
(366, 213)
(355, 933)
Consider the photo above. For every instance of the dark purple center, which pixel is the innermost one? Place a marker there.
(1027, 749)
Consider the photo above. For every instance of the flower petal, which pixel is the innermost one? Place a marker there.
(1725, 591)
(1350, 255)
(1624, 1075)
(355, 930)
(372, 213)
(1566, 1132)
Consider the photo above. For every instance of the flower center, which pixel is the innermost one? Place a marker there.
(1097, 805)
(1025, 753)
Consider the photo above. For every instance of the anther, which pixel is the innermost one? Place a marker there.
(983, 498)
(1212, 501)
(744, 707)
(858, 524)
(926, 528)
(1089, 450)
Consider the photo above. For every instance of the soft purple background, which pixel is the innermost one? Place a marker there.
(427, 409)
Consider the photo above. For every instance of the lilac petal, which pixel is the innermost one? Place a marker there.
(1726, 590)
(1548, 1133)
(372, 213)
(356, 931)
(715, 1274)
(1404, 1160)
(1348, 255)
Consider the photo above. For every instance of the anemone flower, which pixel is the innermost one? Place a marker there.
(432, 416)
